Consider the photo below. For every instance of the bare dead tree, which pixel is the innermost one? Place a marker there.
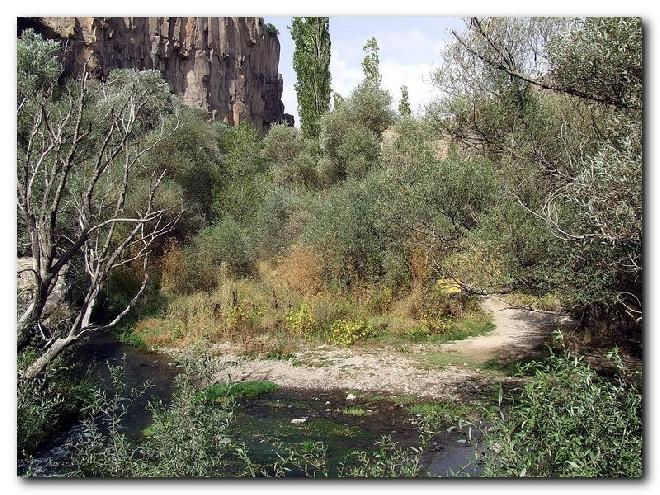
(73, 184)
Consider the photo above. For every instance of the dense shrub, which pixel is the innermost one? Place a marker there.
(291, 157)
(568, 421)
(346, 333)
(46, 405)
(185, 439)
(350, 135)
(344, 231)
(193, 161)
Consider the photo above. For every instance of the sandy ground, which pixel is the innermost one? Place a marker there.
(519, 333)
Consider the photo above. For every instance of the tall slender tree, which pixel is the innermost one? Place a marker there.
(404, 102)
(371, 61)
(311, 61)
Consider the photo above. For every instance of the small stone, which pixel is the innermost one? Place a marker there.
(327, 402)
(298, 421)
(350, 397)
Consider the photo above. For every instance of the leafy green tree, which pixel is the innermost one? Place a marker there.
(290, 156)
(404, 103)
(556, 104)
(350, 135)
(371, 61)
(337, 100)
(311, 61)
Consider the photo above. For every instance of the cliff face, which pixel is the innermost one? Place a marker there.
(227, 66)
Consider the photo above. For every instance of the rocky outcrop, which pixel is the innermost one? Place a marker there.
(227, 66)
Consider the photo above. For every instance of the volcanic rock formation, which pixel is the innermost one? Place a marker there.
(227, 66)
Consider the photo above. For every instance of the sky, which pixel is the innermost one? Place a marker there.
(409, 51)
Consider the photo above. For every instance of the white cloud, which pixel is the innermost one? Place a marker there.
(407, 57)
(416, 76)
(344, 78)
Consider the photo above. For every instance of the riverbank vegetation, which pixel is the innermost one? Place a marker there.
(372, 228)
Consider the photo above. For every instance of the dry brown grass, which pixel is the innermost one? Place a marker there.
(419, 263)
(300, 271)
(172, 268)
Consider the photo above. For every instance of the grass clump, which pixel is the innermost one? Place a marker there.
(354, 411)
(249, 389)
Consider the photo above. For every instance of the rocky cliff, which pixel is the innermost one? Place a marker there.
(226, 65)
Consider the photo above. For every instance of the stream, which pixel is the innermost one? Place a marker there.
(286, 416)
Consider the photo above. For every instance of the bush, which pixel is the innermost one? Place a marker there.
(300, 322)
(300, 271)
(346, 233)
(290, 156)
(48, 404)
(350, 135)
(569, 422)
(389, 460)
(346, 333)
(194, 164)
(186, 439)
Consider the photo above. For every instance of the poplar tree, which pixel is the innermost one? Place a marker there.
(311, 61)
(404, 102)
(371, 61)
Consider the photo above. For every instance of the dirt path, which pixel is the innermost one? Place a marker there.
(518, 333)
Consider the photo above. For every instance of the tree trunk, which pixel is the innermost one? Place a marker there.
(39, 366)
(28, 321)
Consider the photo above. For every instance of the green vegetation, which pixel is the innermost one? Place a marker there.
(311, 61)
(569, 422)
(389, 460)
(49, 404)
(240, 389)
(367, 227)
(404, 103)
(271, 29)
(354, 411)
(566, 217)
